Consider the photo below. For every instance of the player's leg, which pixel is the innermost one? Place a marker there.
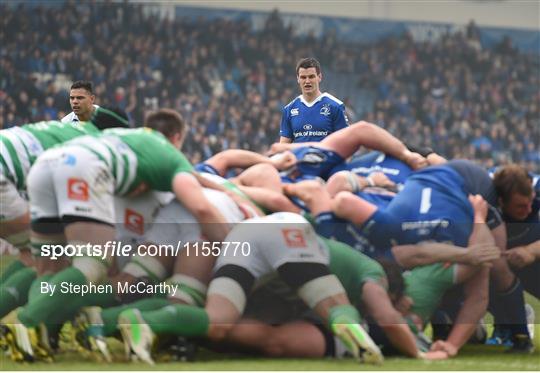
(14, 216)
(41, 189)
(15, 229)
(295, 253)
(313, 193)
(294, 339)
(84, 200)
(347, 141)
(506, 288)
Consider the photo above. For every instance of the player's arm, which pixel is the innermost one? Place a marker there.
(352, 208)
(238, 200)
(270, 199)
(189, 192)
(388, 318)
(285, 140)
(476, 288)
(410, 256)
(523, 256)
(232, 158)
(279, 147)
(473, 308)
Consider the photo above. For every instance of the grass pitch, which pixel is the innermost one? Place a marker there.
(482, 358)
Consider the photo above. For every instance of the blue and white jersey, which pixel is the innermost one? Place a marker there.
(303, 122)
(433, 206)
(329, 225)
(395, 169)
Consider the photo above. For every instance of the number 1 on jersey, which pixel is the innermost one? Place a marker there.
(425, 203)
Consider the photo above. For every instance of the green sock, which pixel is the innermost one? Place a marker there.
(13, 267)
(110, 315)
(35, 288)
(63, 314)
(178, 319)
(14, 292)
(343, 314)
(40, 308)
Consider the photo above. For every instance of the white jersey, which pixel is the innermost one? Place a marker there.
(135, 215)
(174, 223)
(72, 117)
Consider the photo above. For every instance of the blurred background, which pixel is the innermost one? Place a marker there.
(460, 76)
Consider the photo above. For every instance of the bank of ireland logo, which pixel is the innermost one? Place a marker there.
(134, 221)
(77, 189)
(307, 127)
(325, 110)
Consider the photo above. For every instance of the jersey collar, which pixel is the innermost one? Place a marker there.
(310, 104)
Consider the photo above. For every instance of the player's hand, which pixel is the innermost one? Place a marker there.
(283, 161)
(444, 346)
(480, 207)
(435, 355)
(414, 160)
(519, 256)
(381, 180)
(482, 254)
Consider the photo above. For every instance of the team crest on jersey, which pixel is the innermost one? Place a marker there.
(325, 110)
(295, 112)
(77, 189)
(294, 238)
(133, 221)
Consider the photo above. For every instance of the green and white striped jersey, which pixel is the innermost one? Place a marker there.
(136, 156)
(20, 146)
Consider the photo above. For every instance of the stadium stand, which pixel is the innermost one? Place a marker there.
(230, 82)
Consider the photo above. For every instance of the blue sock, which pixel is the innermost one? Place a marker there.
(327, 224)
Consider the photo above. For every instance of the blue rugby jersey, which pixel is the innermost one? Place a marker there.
(304, 122)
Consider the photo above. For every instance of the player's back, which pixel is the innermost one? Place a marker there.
(396, 170)
(433, 205)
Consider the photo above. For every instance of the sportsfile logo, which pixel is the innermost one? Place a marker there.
(294, 238)
(77, 190)
(134, 221)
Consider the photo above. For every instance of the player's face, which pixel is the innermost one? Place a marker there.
(519, 206)
(309, 80)
(81, 102)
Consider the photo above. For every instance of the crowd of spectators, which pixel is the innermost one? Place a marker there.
(230, 82)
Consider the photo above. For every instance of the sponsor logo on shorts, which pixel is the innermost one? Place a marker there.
(294, 238)
(134, 221)
(78, 189)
